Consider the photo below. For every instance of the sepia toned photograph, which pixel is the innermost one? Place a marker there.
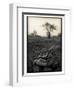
(44, 44)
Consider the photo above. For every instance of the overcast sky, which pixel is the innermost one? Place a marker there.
(35, 23)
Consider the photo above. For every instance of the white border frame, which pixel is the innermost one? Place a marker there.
(16, 39)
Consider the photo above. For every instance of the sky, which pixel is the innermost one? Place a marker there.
(35, 23)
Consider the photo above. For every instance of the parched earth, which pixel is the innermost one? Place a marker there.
(44, 55)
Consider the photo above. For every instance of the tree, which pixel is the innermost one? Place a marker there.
(34, 33)
(49, 27)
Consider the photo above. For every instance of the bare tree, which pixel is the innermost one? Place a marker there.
(49, 27)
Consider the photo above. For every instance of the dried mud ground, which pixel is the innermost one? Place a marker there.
(44, 54)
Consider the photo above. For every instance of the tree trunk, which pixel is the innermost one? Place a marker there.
(48, 34)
